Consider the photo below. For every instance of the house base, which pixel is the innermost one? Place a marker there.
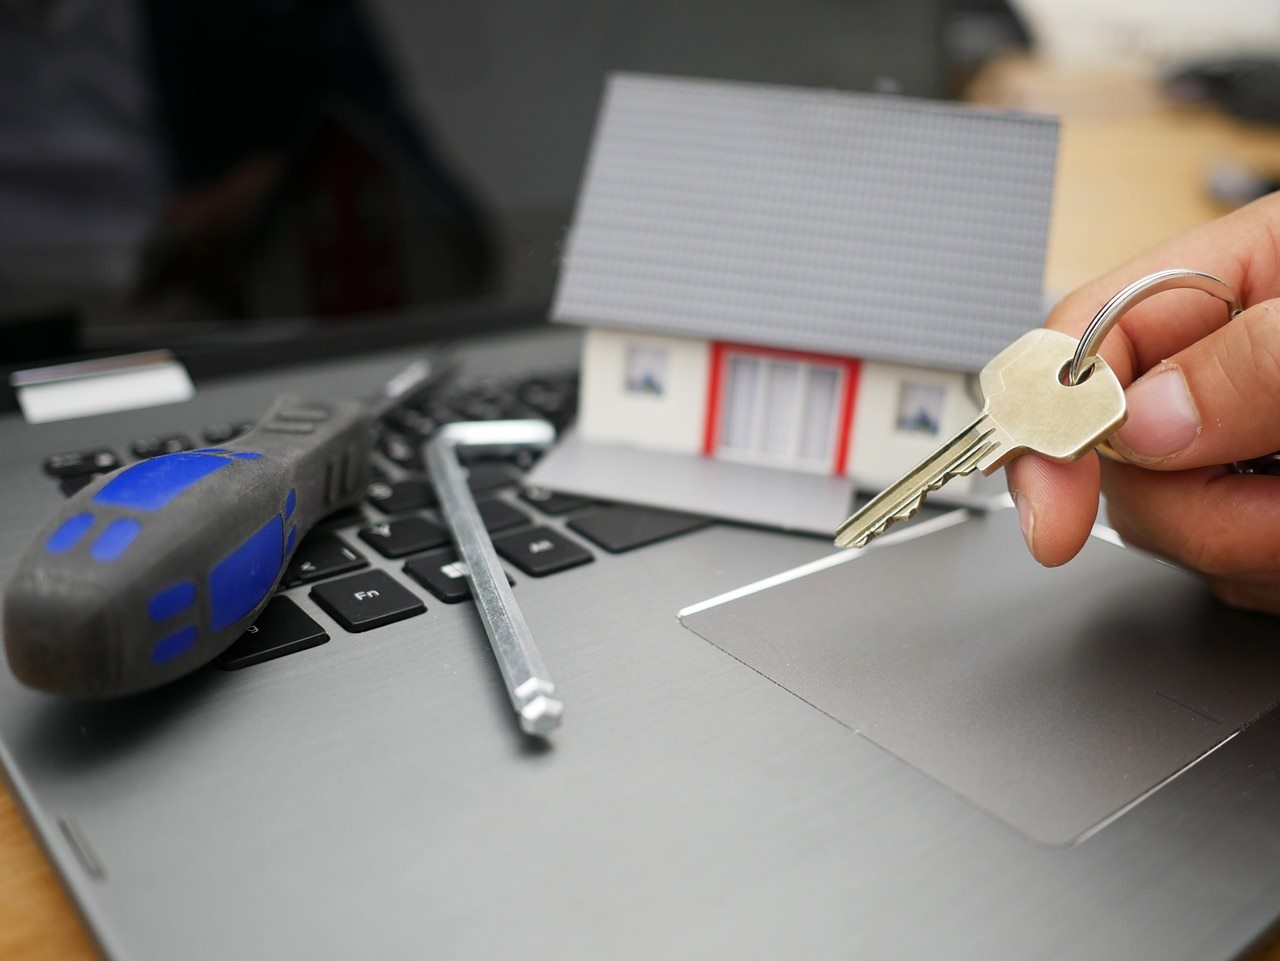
(746, 493)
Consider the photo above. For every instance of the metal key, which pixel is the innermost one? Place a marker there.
(1029, 406)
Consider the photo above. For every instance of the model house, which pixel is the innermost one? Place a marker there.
(799, 280)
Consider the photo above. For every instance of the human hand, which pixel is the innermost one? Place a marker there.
(1202, 393)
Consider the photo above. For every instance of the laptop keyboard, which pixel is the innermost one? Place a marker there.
(399, 519)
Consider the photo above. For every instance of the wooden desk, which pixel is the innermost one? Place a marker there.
(1130, 174)
(37, 921)
(1131, 166)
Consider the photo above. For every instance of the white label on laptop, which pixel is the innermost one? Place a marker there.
(101, 386)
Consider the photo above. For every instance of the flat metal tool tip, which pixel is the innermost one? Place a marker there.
(541, 715)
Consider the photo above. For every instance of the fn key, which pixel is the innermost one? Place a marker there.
(366, 601)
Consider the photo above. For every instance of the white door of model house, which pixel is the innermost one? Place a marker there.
(780, 408)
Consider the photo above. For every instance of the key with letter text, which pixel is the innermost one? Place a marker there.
(1029, 406)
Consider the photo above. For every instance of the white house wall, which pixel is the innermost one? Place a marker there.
(879, 452)
(607, 411)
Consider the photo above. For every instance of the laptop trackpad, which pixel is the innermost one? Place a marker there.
(1051, 698)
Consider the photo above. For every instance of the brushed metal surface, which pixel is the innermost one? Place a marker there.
(321, 806)
(1053, 698)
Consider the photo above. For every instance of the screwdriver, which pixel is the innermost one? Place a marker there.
(156, 568)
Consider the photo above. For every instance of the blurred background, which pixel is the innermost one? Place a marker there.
(212, 173)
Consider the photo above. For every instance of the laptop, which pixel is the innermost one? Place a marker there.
(767, 748)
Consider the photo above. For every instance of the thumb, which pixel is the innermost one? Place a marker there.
(1212, 403)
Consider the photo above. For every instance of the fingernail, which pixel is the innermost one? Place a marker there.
(1026, 518)
(1162, 417)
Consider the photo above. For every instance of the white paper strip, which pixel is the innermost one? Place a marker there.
(101, 386)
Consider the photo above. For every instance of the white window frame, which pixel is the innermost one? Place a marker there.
(755, 452)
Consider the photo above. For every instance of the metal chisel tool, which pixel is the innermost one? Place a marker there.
(154, 569)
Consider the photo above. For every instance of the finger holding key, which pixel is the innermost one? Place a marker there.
(1073, 493)
(1057, 503)
(1211, 403)
(1208, 519)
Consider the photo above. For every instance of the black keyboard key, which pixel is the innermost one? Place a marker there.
(400, 496)
(408, 535)
(282, 628)
(524, 458)
(77, 463)
(441, 414)
(343, 517)
(145, 447)
(626, 527)
(412, 423)
(552, 398)
(499, 515)
(321, 555)
(401, 450)
(365, 601)
(221, 433)
(555, 398)
(480, 400)
(521, 458)
(488, 477)
(551, 502)
(541, 551)
(443, 575)
(515, 409)
(76, 483)
(479, 408)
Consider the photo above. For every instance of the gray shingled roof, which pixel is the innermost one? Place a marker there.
(872, 226)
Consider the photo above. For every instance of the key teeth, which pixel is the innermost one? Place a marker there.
(975, 449)
(871, 533)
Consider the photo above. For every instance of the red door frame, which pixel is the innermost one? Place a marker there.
(715, 387)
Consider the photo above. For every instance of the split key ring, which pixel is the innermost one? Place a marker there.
(1135, 293)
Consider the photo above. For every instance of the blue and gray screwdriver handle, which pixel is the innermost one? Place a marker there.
(156, 568)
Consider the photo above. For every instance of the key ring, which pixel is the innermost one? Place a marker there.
(1135, 293)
